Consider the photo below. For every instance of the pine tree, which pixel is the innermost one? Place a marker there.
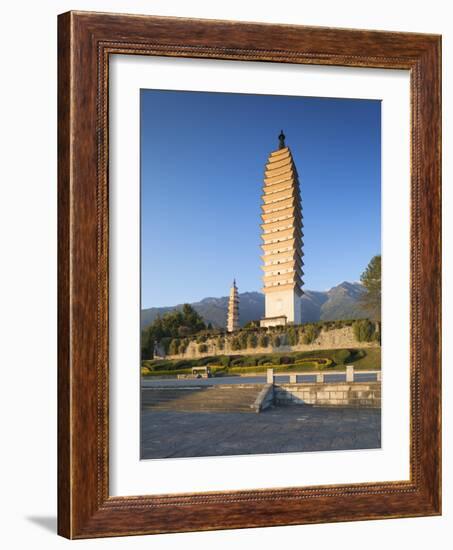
(371, 280)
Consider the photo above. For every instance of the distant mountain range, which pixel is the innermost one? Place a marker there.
(340, 302)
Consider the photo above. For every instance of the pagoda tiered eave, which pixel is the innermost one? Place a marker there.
(281, 288)
(283, 213)
(289, 193)
(294, 217)
(278, 156)
(271, 178)
(282, 245)
(282, 234)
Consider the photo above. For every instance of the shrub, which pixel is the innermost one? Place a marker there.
(161, 365)
(342, 356)
(202, 348)
(235, 344)
(264, 360)
(182, 364)
(225, 360)
(357, 354)
(293, 336)
(173, 348)
(308, 365)
(284, 360)
(243, 336)
(169, 372)
(314, 362)
(165, 343)
(324, 363)
(363, 330)
(221, 371)
(252, 324)
(252, 341)
(377, 333)
(183, 345)
(250, 361)
(203, 361)
(263, 341)
(238, 362)
(310, 334)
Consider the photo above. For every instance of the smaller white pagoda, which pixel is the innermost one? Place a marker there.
(233, 309)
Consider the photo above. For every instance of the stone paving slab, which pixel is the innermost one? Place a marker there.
(295, 428)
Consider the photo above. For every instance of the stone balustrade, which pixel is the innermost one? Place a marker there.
(351, 392)
(322, 377)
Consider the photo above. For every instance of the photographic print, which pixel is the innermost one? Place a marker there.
(260, 274)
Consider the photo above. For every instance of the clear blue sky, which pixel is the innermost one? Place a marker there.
(202, 164)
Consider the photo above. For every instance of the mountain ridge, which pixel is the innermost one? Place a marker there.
(340, 302)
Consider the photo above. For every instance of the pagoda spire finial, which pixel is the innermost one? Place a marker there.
(281, 140)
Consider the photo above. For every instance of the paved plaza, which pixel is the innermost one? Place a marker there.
(169, 434)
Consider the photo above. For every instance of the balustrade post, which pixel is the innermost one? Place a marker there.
(350, 373)
(270, 376)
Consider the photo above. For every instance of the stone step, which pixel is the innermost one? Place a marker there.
(201, 399)
(194, 407)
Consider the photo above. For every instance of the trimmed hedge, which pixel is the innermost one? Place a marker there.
(342, 356)
(245, 370)
(320, 359)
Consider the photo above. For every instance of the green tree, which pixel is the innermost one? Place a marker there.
(371, 280)
(192, 319)
(183, 331)
(174, 324)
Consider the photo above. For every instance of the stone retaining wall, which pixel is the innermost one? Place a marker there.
(352, 394)
(339, 338)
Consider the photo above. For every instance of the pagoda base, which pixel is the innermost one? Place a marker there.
(279, 321)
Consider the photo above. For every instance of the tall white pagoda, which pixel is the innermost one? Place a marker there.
(282, 239)
(233, 309)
